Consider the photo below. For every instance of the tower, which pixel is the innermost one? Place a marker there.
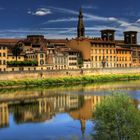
(80, 26)
(130, 37)
(108, 35)
(83, 126)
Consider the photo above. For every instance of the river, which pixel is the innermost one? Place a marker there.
(56, 113)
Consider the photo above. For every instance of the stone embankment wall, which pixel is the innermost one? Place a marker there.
(63, 73)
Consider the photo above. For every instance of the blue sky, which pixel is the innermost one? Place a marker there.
(58, 18)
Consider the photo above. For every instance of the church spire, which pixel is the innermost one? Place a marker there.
(80, 27)
(83, 126)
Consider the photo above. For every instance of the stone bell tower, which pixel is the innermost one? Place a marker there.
(80, 26)
(130, 37)
(108, 35)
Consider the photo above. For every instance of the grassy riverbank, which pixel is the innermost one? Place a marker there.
(68, 80)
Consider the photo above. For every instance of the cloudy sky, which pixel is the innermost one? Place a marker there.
(58, 18)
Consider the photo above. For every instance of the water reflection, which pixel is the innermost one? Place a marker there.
(57, 113)
(42, 109)
(4, 115)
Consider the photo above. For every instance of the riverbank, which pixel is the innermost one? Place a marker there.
(69, 80)
(66, 73)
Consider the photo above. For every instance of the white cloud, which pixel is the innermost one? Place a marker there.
(63, 33)
(1, 8)
(124, 23)
(40, 12)
(138, 21)
(120, 24)
(29, 12)
(63, 10)
(87, 17)
(112, 19)
(61, 20)
(132, 28)
(89, 7)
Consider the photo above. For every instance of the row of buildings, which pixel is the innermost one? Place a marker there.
(80, 52)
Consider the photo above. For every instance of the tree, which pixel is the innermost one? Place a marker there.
(80, 62)
(117, 118)
(17, 49)
(21, 63)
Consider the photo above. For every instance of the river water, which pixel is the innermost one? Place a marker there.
(56, 113)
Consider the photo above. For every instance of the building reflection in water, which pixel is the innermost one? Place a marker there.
(86, 111)
(4, 115)
(41, 109)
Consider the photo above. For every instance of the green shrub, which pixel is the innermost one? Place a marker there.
(70, 80)
(21, 63)
(116, 118)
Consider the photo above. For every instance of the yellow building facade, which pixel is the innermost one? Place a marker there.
(102, 53)
(124, 57)
(11, 57)
(4, 115)
(3, 57)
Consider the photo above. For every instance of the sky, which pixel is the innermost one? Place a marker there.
(58, 18)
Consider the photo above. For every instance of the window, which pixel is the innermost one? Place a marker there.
(4, 62)
(41, 62)
(3, 54)
(107, 51)
(71, 64)
(99, 58)
(41, 55)
(107, 58)
(95, 58)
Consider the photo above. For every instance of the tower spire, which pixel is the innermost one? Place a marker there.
(80, 26)
(83, 126)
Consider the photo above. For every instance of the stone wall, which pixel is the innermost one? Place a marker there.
(62, 73)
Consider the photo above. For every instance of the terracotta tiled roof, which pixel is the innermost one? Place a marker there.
(57, 40)
(122, 48)
(70, 50)
(9, 41)
(94, 40)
